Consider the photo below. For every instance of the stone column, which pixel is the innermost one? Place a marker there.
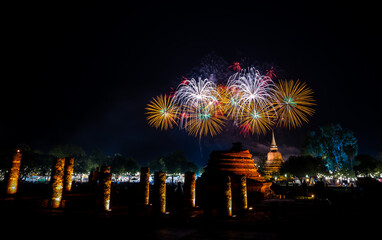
(159, 201)
(189, 189)
(243, 202)
(144, 185)
(227, 194)
(68, 174)
(14, 174)
(106, 187)
(57, 182)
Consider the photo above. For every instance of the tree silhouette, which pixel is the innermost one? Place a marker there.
(300, 166)
(337, 146)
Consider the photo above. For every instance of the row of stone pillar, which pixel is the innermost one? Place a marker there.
(223, 193)
(62, 173)
(242, 196)
(159, 190)
(61, 179)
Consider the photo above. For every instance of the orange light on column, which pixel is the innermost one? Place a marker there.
(106, 187)
(243, 192)
(227, 196)
(14, 174)
(189, 189)
(144, 184)
(159, 203)
(57, 182)
(68, 174)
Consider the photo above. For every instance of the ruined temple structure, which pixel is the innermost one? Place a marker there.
(235, 163)
(274, 161)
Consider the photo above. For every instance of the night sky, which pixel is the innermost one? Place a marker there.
(82, 73)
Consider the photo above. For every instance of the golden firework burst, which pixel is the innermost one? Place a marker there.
(293, 103)
(204, 120)
(229, 101)
(162, 112)
(256, 120)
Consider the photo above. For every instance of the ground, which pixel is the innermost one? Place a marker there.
(343, 212)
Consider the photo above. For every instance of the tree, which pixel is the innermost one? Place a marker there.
(33, 161)
(175, 162)
(311, 145)
(379, 156)
(81, 162)
(300, 166)
(121, 164)
(67, 150)
(189, 167)
(96, 159)
(367, 165)
(157, 165)
(337, 146)
(260, 162)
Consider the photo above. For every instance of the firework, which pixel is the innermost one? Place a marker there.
(229, 101)
(195, 93)
(199, 107)
(204, 120)
(256, 120)
(251, 100)
(293, 103)
(250, 90)
(162, 112)
(235, 66)
(270, 73)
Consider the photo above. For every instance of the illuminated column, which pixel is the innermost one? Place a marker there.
(57, 182)
(227, 197)
(189, 189)
(106, 187)
(68, 174)
(144, 184)
(243, 192)
(14, 174)
(159, 203)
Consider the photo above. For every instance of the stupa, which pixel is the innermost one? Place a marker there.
(234, 163)
(274, 160)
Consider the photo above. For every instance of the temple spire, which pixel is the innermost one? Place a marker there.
(274, 161)
(273, 144)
